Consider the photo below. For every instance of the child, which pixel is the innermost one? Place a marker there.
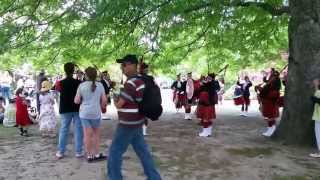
(22, 116)
(10, 114)
(316, 115)
(2, 110)
(47, 118)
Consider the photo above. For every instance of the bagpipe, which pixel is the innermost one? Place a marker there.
(263, 88)
(198, 83)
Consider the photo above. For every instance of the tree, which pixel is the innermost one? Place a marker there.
(166, 32)
(304, 65)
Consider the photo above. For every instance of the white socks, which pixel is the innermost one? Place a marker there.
(269, 131)
(206, 132)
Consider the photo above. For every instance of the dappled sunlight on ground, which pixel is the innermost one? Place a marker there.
(235, 151)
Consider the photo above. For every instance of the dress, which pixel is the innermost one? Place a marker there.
(47, 118)
(22, 116)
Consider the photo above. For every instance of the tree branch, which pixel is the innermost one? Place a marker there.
(54, 58)
(275, 11)
(199, 36)
(7, 9)
(198, 7)
(150, 11)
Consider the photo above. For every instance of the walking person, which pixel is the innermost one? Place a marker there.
(47, 117)
(92, 98)
(129, 130)
(69, 112)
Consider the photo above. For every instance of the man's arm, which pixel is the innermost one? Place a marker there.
(77, 98)
(119, 103)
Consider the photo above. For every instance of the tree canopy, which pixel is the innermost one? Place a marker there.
(165, 32)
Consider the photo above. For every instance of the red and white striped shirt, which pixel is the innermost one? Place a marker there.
(132, 94)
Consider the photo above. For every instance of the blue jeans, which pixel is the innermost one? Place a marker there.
(121, 140)
(5, 91)
(66, 119)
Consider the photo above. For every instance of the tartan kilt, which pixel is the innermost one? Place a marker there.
(246, 100)
(281, 101)
(180, 100)
(269, 108)
(238, 100)
(206, 112)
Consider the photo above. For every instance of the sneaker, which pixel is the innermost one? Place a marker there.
(267, 132)
(79, 155)
(59, 155)
(315, 155)
(272, 130)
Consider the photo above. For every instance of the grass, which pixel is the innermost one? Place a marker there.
(250, 152)
(7, 132)
(278, 177)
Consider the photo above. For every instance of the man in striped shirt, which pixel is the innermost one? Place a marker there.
(129, 130)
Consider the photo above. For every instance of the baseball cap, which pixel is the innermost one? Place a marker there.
(131, 58)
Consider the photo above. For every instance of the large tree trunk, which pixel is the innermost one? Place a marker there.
(296, 125)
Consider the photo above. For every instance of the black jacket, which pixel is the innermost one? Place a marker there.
(245, 90)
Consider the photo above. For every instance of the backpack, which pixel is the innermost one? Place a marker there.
(150, 106)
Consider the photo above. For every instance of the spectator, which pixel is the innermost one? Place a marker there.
(69, 112)
(47, 118)
(91, 97)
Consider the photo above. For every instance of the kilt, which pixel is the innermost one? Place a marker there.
(281, 101)
(269, 108)
(179, 100)
(246, 100)
(205, 110)
(238, 100)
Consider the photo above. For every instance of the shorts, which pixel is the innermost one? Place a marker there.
(90, 123)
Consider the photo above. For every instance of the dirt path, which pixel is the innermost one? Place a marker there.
(236, 151)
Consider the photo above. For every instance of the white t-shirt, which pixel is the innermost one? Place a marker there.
(90, 107)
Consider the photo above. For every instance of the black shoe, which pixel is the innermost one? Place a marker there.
(21, 131)
(25, 133)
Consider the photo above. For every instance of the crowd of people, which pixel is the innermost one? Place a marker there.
(84, 96)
